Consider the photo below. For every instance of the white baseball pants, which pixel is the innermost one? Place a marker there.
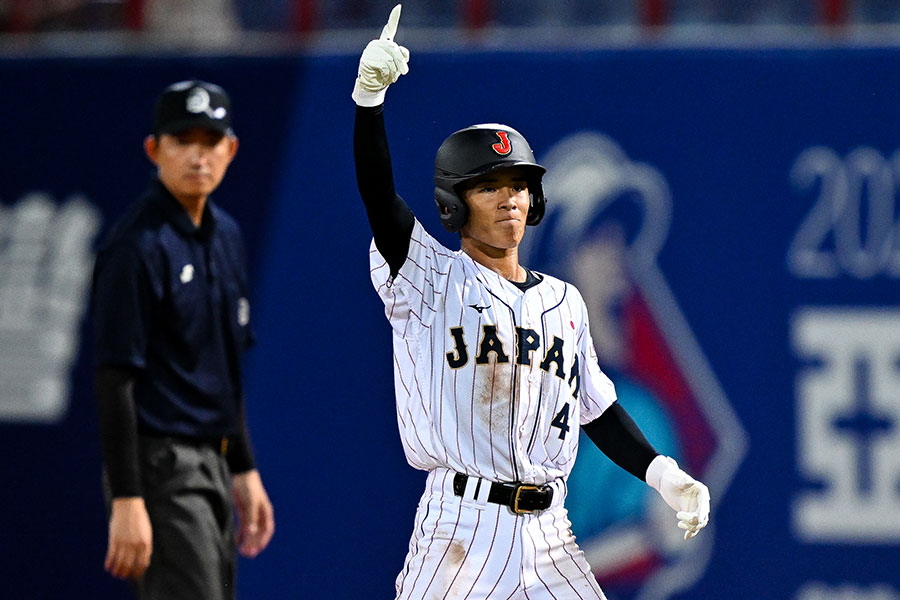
(467, 548)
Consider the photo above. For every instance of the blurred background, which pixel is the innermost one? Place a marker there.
(309, 16)
(722, 179)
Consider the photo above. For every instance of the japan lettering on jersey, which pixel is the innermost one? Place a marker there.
(490, 380)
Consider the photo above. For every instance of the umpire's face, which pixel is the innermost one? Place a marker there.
(192, 162)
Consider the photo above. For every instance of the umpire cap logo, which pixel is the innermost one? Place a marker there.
(503, 147)
(198, 102)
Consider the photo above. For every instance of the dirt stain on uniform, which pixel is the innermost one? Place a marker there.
(456, 553)
(452, 568)
(492, 397)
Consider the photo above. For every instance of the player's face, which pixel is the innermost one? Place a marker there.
(498, 205)
(193, 162)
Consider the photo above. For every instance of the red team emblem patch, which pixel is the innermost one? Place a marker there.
(503, 146)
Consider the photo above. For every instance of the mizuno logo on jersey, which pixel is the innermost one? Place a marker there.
(479, 308)
(527, 342)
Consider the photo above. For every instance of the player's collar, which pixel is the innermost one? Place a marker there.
(531, 280)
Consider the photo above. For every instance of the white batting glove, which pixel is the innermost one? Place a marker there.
(685, 495)
(381, 64)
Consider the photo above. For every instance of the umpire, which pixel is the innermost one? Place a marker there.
(172, 318)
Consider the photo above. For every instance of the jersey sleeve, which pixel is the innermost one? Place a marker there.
(411, 296)
(389, 217)
(121, 308)
(597, 390)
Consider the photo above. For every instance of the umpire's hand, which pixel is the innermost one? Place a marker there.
(130, 539)
(256, 519)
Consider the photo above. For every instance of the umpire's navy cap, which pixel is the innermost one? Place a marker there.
(191, 104)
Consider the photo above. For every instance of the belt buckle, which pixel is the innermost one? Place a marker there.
(515, 505)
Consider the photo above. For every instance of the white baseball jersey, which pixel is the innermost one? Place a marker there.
(490, 380)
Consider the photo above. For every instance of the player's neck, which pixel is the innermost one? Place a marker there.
(503, 261)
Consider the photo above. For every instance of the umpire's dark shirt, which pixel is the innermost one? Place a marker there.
(171, 305)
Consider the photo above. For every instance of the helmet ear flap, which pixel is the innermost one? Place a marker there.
(537, 203)
(453, 211)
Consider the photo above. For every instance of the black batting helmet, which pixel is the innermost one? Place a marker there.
(474, 151)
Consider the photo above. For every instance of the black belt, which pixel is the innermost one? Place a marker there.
(522, 498)
(219, 444)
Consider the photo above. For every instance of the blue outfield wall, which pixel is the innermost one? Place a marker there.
(730, 216)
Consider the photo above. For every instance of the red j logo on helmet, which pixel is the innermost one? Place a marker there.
(503, 146)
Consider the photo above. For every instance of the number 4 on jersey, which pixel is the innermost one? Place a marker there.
(561, 420)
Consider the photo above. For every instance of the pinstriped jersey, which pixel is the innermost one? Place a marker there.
(490, 380)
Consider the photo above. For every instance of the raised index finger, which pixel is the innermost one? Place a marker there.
(391, 28)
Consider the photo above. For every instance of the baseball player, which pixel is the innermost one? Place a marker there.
(495, 370)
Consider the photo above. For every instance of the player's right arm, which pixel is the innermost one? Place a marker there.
(382, 62)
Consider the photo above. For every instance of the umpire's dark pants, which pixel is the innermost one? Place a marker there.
(187, 491)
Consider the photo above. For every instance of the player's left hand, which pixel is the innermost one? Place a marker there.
(256, 518)
(688, 497)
